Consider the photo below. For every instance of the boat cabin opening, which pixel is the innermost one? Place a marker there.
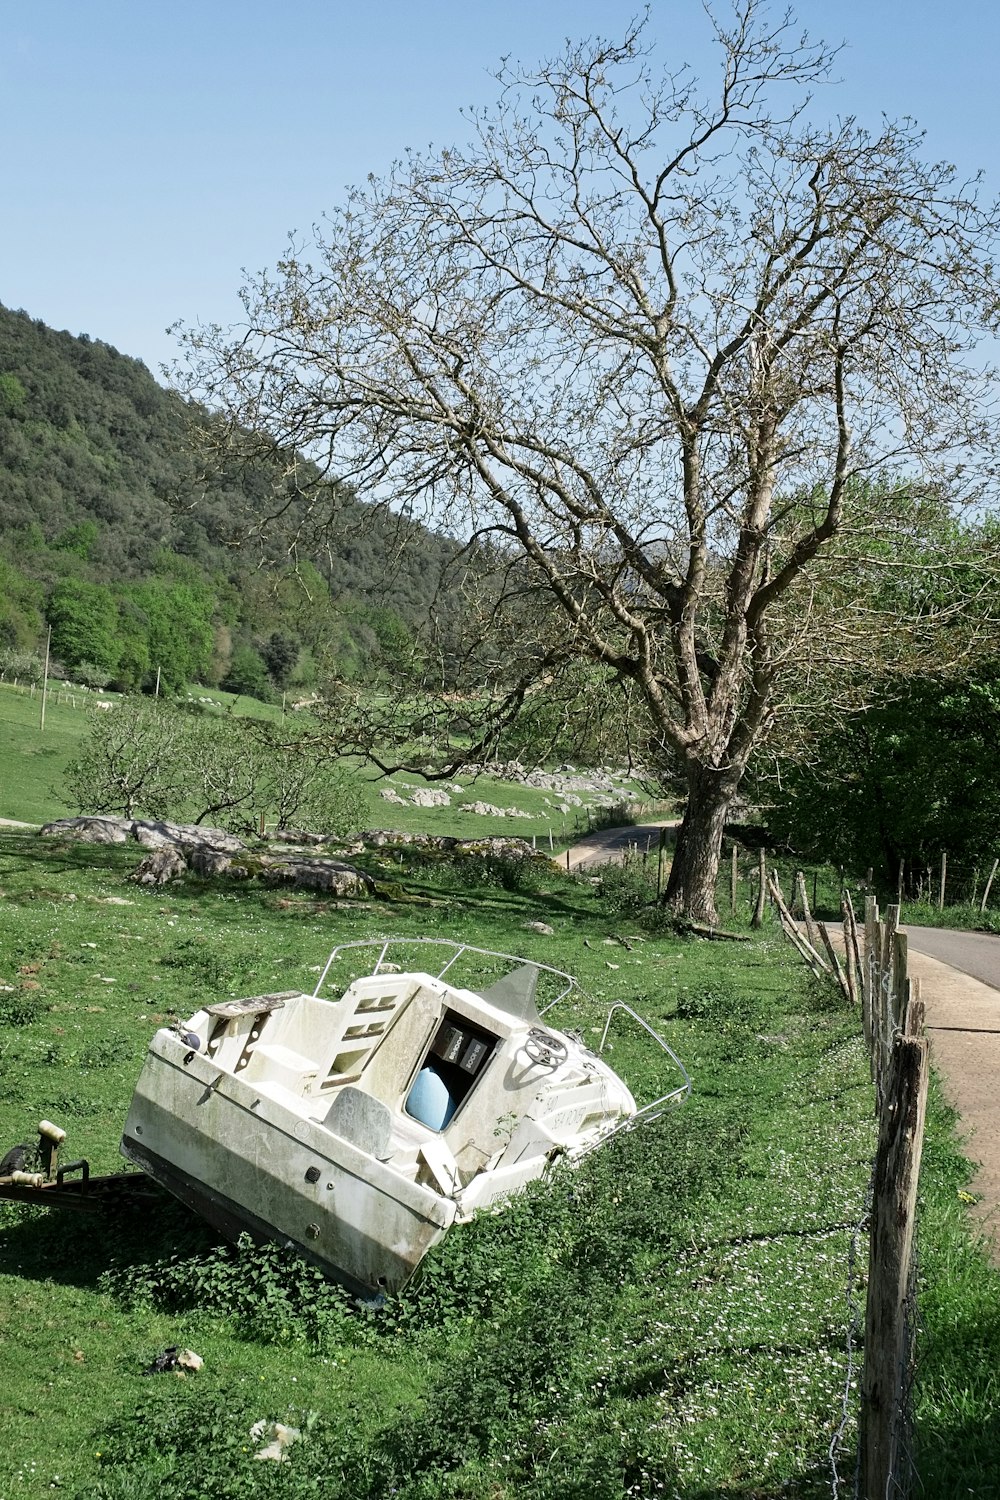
(456, 1058)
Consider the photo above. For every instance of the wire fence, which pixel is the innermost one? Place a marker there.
(925, 888)
(870, 968)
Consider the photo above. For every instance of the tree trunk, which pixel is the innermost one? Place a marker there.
(691, 887)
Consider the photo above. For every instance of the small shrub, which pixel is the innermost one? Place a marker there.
(20, 1008)
(717, 1003)
(271, 1294)
(199, 963)
(506, 872)
(618, 815)
(626, 889)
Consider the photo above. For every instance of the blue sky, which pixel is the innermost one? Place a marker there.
(153, 148)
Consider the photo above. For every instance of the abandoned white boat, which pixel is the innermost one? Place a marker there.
(360, 1129)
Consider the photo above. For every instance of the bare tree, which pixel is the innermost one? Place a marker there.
(648, 340)
(148, 759)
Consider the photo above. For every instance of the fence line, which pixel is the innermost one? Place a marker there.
(892, 1018)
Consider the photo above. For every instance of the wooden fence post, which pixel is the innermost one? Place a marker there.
(886, 1023)
(870, 981)
(916, 1010)
(986, 893)
(899, 980)
(944, 877)
(733, 877)
(884, 1439)
(835, 964)
(803, 900)
(850, 962)
(757, 920)
(813, 959)
(852, 943)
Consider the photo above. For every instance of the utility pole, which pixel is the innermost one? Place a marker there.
(45, 678)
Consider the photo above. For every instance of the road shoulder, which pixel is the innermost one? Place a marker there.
(963, 1026)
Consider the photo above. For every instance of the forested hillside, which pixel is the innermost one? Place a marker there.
(109, 533)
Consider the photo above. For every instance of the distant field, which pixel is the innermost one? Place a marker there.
(542, 807)
(34, 761)
(34, 764)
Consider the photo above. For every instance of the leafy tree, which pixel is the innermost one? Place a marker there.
(900, 781)
(178, 630)
(20, 608)
(78, 539)
(644, 342)
(247, 674)
(91, 675)
(279, 654)
(84, 620)
(133, 668)
(13, 396)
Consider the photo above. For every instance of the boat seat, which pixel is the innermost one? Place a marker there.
(271, 1062)
(361, 1119)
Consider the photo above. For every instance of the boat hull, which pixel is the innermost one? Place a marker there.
(248, 1164)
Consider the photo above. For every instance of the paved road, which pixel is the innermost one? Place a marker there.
(608, 844)
(975, 953)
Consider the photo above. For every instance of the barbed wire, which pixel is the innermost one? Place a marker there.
(855, 1327)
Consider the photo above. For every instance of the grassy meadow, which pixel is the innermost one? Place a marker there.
(672, 1319)
(677, 1318)
(32, 789)
(34, 761)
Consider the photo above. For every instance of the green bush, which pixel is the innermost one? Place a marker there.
(270, 1294)
(20, 1008)
(626, 888)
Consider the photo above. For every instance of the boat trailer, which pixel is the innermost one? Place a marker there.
(69, 1185)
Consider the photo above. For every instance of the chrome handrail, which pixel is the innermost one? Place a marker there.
(655, 1108)
(569, 982)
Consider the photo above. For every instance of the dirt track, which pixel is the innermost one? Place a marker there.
(609, 844)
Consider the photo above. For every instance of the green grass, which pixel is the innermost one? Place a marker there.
(32, 789)
(615, 1331)
(34, 761)
(669, 1320)
(965, 916)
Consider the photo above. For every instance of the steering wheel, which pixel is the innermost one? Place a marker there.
(542, 1047)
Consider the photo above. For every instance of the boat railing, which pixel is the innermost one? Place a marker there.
(456, 951)
(646, 1113)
